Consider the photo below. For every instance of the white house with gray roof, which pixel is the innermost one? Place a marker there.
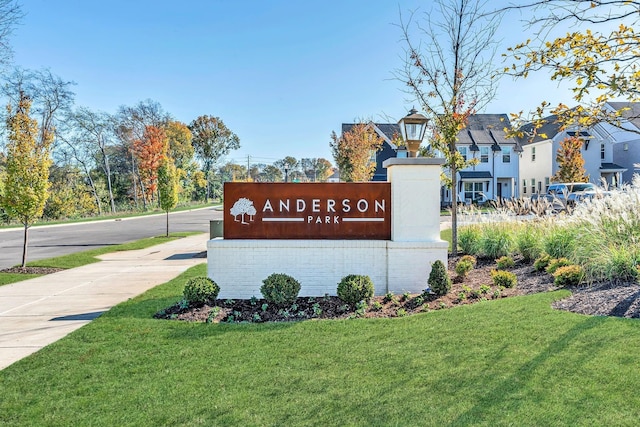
(611, 154)
(496, 174)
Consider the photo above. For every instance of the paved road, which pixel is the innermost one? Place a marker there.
(50, 241)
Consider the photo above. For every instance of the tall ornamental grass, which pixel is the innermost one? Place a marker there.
(600, 235)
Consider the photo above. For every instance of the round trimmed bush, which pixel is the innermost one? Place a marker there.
(556, 263)
(355, 288)
(504, 278)
(505, 262)
(199, 290)
(568, 275)
(280, 289)
(463, 267)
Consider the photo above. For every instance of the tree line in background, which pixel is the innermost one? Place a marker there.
(105, 163)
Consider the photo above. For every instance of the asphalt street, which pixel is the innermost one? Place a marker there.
(56, 240)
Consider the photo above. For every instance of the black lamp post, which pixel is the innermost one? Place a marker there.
(413, 127)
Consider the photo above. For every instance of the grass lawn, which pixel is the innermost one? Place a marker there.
(87, 257)
(505, 362)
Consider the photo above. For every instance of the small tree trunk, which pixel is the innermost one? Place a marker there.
(454, 211)
(24, 245)
(167, 223)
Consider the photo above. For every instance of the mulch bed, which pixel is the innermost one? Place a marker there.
(31, 270)
(477, 286)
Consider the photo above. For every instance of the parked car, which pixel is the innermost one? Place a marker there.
(581, 196)
(563, 194)
(564, 190)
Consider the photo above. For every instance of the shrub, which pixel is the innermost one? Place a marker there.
(560, 241)
(469, 240)
(280, 289)
(463, 267)
(505, 262)
(622, 265)
(469, 258)
(503, 278)
(556, 263)
(569, 275)
(528, 242)
(541, 263)
(495, 241)
(439, 281)
(355, 288)
(199, 290)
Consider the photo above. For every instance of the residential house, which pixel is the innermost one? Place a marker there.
(495, 175)
(606, 157)
(626, 138)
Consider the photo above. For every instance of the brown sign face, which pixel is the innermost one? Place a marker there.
(307, 211)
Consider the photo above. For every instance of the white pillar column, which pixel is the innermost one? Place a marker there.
(415, 198)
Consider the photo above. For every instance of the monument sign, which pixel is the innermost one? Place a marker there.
(307, 211)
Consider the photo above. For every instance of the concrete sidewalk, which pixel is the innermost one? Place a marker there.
(37, 312)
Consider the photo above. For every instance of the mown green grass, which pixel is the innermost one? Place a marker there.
(79, 259)
(514, 361)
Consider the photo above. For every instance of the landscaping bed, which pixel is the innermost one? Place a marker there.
(477, 286)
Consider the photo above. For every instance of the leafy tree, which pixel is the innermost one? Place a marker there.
(448, 70)
(353, 152)
(570, 162)
(316, 169)
(26, 185)
(232, 172)
(130, 125)
(271, 173)
(324, 169)
(288, 166)
(212, 140)
(180, 143)
(69, 195)
(182, 152)
(599, 62)
(168, 187)
(149, 152)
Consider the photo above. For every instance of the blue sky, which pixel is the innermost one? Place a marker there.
(281, 74)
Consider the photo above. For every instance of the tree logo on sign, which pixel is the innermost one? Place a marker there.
(242, 208)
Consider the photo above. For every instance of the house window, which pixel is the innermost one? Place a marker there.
(602, 151)
(533, 185)
(533, 154)
(546, 184)
(372, 156)
(473, 191)
(506, 154)
(463, 153)
(524, 186)
(484, 154)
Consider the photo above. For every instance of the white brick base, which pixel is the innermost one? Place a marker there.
(239, 266)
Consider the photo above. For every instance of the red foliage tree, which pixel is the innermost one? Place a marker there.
(150, 151)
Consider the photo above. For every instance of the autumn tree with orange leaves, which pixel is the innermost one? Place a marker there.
(150, 152)
(570, 162)
(352, 152)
